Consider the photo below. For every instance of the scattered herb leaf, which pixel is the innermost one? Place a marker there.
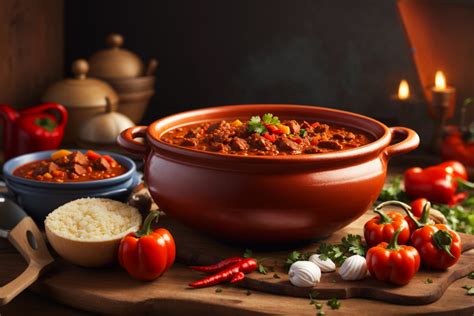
(354, 244)
(296, 256)
(334, 303)
(393, 191)
(312, 296)
(428, 281)
(276, 276)
(471, 275)
(303, 132)
(470, 289)
(261, 269)
(319, 305)
(321, 313)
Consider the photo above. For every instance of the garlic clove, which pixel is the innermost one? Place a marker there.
(304, 274)
(353, 268)
(325, 265)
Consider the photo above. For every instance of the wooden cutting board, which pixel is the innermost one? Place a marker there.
(196, 249)
(111, 290)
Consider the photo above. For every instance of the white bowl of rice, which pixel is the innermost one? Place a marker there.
(87, 232)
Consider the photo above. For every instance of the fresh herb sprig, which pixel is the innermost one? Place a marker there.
(256, 124)
(260, 267)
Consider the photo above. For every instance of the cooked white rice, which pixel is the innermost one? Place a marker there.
(93, 219)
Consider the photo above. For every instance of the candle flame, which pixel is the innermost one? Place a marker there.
(440, 80)
(403, 90)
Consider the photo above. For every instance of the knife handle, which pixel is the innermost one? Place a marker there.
(28, 240)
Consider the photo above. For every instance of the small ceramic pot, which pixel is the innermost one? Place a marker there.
(40, 198)
(267, 198)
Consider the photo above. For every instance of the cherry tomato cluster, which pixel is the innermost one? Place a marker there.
(398, 244)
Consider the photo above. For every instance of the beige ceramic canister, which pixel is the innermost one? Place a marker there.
(82, 96)
(126, 73)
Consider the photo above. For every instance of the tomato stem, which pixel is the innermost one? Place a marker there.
(443, 240)
(393, 245)
(384, 219)
(146, 227)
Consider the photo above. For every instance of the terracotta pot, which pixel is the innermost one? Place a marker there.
(134, 105)
(131, 85)
(266, 198)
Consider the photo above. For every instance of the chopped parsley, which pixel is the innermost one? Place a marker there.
(256, 124)
(334, 303)
(303, 132)
(270, 119)
(471, 275)
(428, 281)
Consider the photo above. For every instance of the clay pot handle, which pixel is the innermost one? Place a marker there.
(410, 142)
(127, 141)
(152, 65)
(28, 240)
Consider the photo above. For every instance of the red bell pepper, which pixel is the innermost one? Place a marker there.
(457, 169)
(382, 227)
(147, 254)
(273, 129)
(438, 245)
(417, 206)
(393, 263)
(437, 183)
(270, 137)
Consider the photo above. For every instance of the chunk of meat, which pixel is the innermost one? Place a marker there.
(219, 147)
(78, 169)
(330, 144)
(78, 158)
(312, 150)
(189, 142)
(320, 128)
(294, 126)
(215, 126)
(338, 136)
(192, 133)
(259, 142)
(239, 144)
(50, 167)
(101, 164)
(287, 145)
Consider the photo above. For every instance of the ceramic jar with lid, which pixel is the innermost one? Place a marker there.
(82, 96)
(126, 73)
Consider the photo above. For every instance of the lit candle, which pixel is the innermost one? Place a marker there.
(403, 90)
(441, 107)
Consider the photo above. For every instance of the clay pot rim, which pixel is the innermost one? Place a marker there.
(344, 118)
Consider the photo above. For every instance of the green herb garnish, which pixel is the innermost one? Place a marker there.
(428, 281)
(471, 275)
(296, 256)
(303, 132)
(334, 303)
(353, 244)
(393, 191)
(270, 119)
(470, 289)
(255, 125)
(319, 305)
(46, 123)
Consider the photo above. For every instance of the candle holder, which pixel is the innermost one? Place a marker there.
(441, 108)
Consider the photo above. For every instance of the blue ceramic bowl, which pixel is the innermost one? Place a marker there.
(40, 198)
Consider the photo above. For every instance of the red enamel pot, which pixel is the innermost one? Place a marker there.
(266, 198)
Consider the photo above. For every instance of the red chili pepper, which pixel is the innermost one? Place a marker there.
(233, 274)
(271, 138)
(382, 227)
(273, 129)
(439, 246)
(147, 254)
(218, 266)
(392, 263)
(437, 183)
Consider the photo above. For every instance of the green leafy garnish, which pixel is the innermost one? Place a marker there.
(428, 281)
(470, 289)
(319, 305)
(321, 313)
(312, 295)
(303, 132)
(270, 119)
(261, 269)
(354, 245)
(334, 303)
(471, 275)
(351, 245)
(248, 253)
(255, 125)
(393, 191)
(296, 256)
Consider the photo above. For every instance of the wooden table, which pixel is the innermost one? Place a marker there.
(175, 299)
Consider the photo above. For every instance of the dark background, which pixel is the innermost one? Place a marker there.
(343, 54)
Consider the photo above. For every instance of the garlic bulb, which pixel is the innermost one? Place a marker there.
(304, 274)
(325, 265)
(354, 268)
